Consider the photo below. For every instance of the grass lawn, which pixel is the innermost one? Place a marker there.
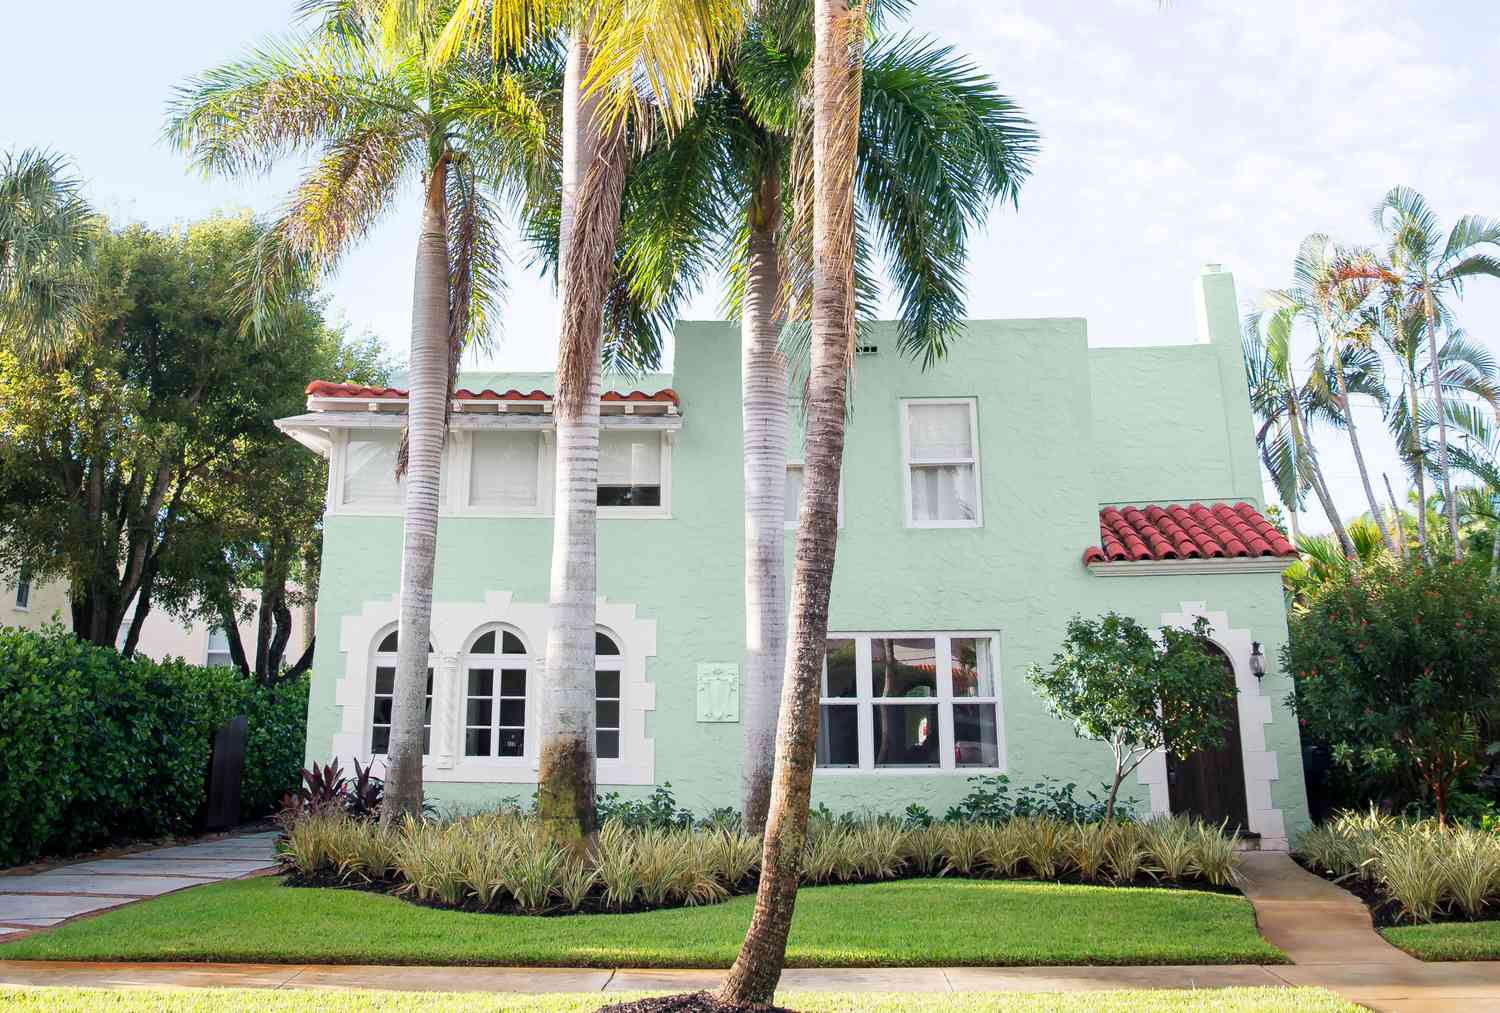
(912, 922)
(1233, 1000)
(1447, 940)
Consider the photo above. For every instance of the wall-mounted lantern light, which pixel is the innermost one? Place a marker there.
(1257, 661)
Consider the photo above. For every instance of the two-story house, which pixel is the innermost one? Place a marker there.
(1024, 479)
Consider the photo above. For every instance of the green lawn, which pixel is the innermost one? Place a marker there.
(1448, 941)
(907, 923)
(1232, 1000)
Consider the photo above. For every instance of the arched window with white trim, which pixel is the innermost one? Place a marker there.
(608, 663)
(385, 690)
(496, 678)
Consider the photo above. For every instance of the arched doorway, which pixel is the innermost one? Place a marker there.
(1211, 782)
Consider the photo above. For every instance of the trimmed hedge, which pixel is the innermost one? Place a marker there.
(97, 748)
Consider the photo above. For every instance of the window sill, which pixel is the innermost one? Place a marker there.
(942, 525)
(908, 771)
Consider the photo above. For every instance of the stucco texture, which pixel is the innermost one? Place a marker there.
(1062, 430)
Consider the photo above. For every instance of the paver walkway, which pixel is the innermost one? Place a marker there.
(1326, 931)
(38, 899)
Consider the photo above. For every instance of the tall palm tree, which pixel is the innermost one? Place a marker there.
(672, 47)
(839, 32)
(1478, 454)
(1337, 309)
(362, 90)
(1423, 269)
(47, 231)
(1284, 409)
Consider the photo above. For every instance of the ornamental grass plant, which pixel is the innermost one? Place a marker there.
(503, 862)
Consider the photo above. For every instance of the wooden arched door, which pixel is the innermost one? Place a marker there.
(1211, 782)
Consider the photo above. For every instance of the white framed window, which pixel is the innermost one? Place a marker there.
(218, 655)
(940, 454)
(23, 590)
(368, 476)
(912, 702)
(635, 468)
(608, 665)
(794, 473)
(384, 685)
(497, 679)
(508, 472)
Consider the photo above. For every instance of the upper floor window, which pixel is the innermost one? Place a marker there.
(23, 590)
(218, 654)
(631, 469)
(508, 472)
(941, 450)
(497, 676)
(369, 473)
(608, 663)
(918, 701)
(385, 693)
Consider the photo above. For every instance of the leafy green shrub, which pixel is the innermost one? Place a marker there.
(96, 748)
(990, 801)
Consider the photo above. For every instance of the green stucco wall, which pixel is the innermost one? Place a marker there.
(1062, 429)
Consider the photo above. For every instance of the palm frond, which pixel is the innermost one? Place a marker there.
(47, 233)
(476, 263)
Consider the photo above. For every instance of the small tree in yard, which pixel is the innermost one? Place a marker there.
(1137, 693)
(1398, 674)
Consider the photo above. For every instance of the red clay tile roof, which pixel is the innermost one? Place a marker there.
(323, 388)
(1221, 531)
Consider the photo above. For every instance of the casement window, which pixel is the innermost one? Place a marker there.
(793, 500)
(632, 472)
(23, 590)
(940, 443)
(218, 655)
(369, 470)
(508, 472)
(497, 678)
(608, 663)
(384, 702)
(917, 701)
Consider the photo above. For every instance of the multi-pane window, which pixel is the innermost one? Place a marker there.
(630, 468)
(507, 471)
(218, 654)
(23, 590)
(385, 690)
(917, 701)
(495, 703)
(370, 469)
(607, 665)
(941, 442)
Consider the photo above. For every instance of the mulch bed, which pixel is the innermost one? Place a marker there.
(595, 903)
(697, 1002)
(1384, 911)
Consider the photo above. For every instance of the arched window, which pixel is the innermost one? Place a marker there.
(496, 673)
(607, 664)
(385, 689)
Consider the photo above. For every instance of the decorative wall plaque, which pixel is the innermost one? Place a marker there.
(718, 692)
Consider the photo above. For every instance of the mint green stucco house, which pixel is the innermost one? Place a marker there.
(973, 499)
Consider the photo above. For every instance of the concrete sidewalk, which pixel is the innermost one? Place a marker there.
(39, 899)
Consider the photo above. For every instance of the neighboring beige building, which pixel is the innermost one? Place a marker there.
(30, 605)
(165, 636)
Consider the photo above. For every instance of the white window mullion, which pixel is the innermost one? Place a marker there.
(943, 659)
(864, 690)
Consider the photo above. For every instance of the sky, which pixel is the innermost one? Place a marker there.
(1173, 135)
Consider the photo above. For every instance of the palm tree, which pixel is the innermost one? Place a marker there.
(47, 231)
(837, 64)
(673, 47)
(1284, 409)
(363, 91)
(1422, 269)
(1478, 454)
(1337, 310)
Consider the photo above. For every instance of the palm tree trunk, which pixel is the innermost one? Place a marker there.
(836, 82)
(1359, 458)
(1450, 504)
(426, 423)
(763, 377)
(593, 182)
(1396, 524)
(1308, 464)
(1420, 457)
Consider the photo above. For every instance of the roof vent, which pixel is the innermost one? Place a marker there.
(866, 349)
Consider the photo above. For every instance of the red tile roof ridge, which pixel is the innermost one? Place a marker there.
(1142, 532)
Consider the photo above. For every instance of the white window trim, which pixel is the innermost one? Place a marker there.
(907, 463)
(800, 466)
(533, 663)
(462, 481)
(664, 511)
(209, 652)
(337, 468)
(377, 658)
(457, 623)
(945, 700)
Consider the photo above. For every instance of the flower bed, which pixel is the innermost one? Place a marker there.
(1408, 871)
(501, 862)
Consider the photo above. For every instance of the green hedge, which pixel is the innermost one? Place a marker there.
(95, 747)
